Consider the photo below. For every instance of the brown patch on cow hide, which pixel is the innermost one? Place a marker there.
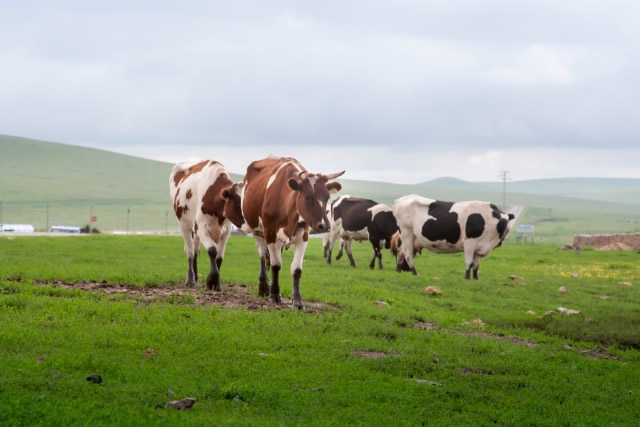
(189, 194)
(280, 206)
(179, 210)
(182, 175)
(212, 202)
(179, 176)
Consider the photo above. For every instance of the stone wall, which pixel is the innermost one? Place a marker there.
(599, 241)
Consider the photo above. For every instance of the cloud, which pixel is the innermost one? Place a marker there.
(457, 77)
(535, 65)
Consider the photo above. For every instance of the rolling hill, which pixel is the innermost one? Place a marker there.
(45, 183)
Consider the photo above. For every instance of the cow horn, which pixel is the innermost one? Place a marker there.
(302, 174)
(334, 175)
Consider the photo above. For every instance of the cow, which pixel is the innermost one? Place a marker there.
(358, 219)
(206, 202)
(475, 228)
(281, 202)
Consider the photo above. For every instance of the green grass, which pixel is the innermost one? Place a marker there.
(277, 367)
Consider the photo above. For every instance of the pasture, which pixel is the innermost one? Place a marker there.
(370, 347)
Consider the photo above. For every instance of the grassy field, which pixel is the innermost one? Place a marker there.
(44, 183)
(371, 348)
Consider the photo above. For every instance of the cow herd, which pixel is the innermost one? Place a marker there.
(279, 202)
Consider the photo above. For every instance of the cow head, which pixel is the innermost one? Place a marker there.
(233, 203)
(312, 194)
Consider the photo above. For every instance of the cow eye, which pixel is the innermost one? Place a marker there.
(308, 199)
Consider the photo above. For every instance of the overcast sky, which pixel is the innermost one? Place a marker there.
(401, 91)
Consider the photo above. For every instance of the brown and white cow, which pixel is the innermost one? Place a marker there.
(475, 228)
(281, 201)
(206, 203)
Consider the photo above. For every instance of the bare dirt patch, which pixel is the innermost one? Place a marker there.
(231, 296)
(427, 326)
(370, 354)
(598, 353)
(496, 337)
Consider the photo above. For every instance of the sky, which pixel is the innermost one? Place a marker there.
(401, 91)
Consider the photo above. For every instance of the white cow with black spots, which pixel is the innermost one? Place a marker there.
(475, 228)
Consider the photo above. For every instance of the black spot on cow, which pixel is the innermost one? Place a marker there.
(354, 213)
(495, 211)
(444, 226)
(475, 226)
(502, 227)
(383, 226)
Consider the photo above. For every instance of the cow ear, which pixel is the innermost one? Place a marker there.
(294, 184)
(226, 193)
(334, 187)
(511, 216)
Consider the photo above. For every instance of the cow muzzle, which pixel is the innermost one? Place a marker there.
(321, 226)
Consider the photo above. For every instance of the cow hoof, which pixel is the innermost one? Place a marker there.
(275, 298)
(297, 304)
(263, 288)
(189, 284)
(213, 283)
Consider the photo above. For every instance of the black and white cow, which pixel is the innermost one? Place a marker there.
(358, 219)
(475, 228)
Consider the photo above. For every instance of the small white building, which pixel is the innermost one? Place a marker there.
(17, 228)
(64, 229)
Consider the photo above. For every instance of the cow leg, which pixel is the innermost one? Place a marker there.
(275, 254)
(476, 266)
(377, 254)
(296, 270)
(214, 239)
(196, 252)
(347, 248)
(331, 238)
(221, 246)
(405, 262)
(341, 249)
(263, 282)
(213, 279)
(469, 258)
(187, 234)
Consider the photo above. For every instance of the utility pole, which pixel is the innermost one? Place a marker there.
(504, 175)
(90, 219)
(128, 212)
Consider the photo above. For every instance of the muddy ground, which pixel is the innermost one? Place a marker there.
(231, 296)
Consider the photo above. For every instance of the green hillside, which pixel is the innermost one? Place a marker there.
(76, 181)
(619, 190)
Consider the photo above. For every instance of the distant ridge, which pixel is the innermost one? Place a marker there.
(620, 190)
